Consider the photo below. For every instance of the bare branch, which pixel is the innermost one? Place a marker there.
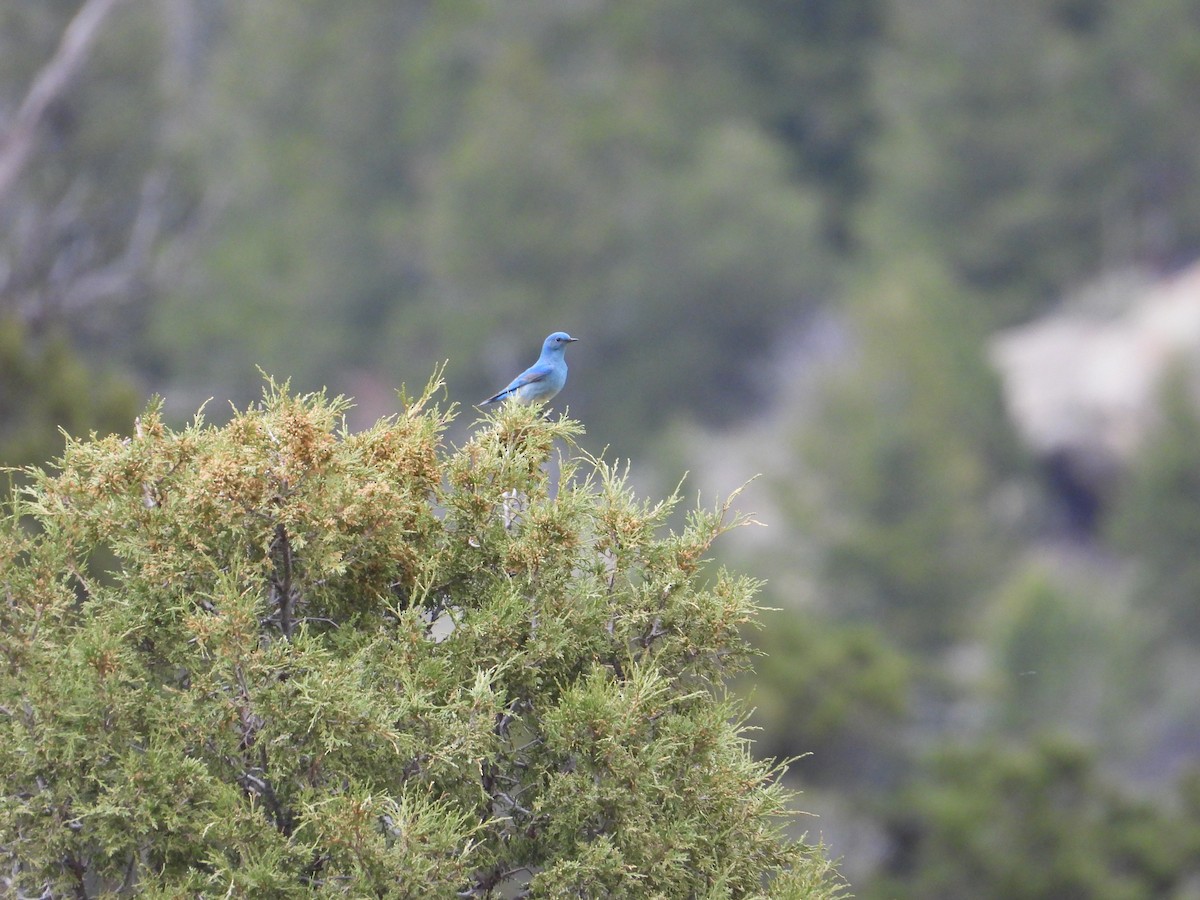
(50, 84)
(116, 278)
(284, 592)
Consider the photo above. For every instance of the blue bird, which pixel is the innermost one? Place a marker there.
(544, 378)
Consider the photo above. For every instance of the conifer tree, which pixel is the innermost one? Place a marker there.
(279, 659)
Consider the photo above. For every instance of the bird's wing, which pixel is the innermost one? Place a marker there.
(529, 376)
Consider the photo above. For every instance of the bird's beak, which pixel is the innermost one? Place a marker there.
(572, 340)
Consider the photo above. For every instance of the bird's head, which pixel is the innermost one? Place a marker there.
(557, 342)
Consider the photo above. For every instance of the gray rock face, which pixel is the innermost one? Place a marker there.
(1086, 382)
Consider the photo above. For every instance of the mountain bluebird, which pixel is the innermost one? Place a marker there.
(544, 378)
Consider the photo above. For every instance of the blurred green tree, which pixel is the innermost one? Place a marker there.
(912, 450)
(1156, 519)
(837, 694)
(44, 387)
(469, 170)
(1034, 824)
(1152, 75)
(1032, 144)
(1070, 653)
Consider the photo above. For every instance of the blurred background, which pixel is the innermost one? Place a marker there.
(928, 266)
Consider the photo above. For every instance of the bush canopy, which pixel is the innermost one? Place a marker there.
(278, 658)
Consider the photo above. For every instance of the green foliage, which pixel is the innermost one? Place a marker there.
(968, 174)
(44, 386)
(805, 68)
(476, 167)
(1034, 824)
(1156, 519)
(723, 232)
(378, 186)
(1153, 64)
(1068, 655)
(308, 146)
(365, 664)
(837, 691)
(1028, 145)
(912, 447)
